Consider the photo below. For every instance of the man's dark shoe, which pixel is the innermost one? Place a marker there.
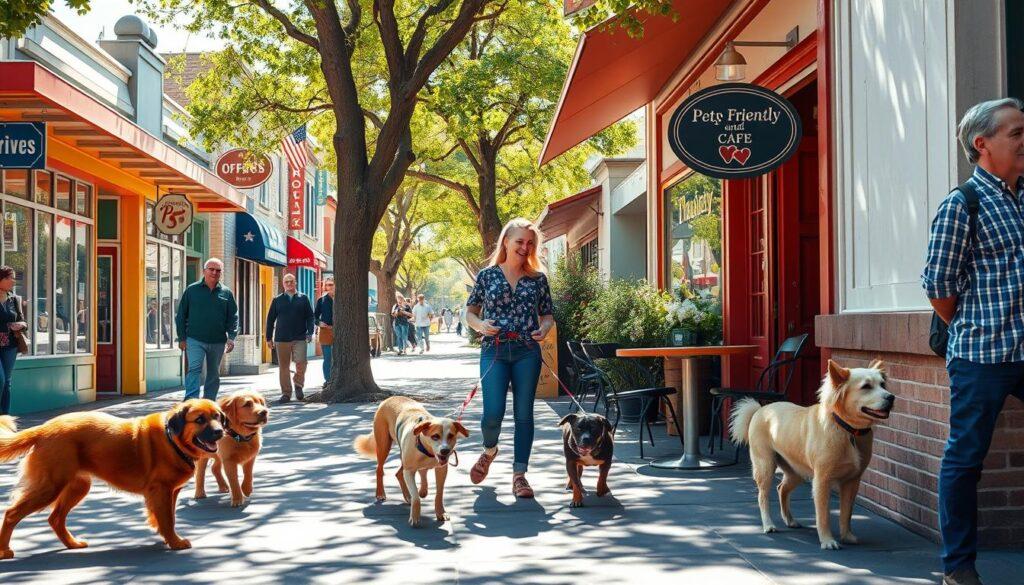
(284, 400)
(298, 394)
(962, 576)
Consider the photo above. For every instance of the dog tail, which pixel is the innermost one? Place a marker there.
(12, 443)
(739, 422)
(365, 445)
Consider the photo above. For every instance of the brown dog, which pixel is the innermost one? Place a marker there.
(152, 455)
(424, 442)
(247, 414)
(828, 443)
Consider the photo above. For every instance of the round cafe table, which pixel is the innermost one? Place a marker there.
(681, 372)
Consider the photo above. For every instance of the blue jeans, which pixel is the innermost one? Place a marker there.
(327, 349)
(977, 395)
(423, 336)
(518, 364)
(7, 356)
(196, 352)
(401, 335)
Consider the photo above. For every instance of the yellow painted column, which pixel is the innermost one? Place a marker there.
(133, 294)
(267, 288)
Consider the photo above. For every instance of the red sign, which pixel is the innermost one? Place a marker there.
(574, 6)
(296, 198)
(173, 214)
(244, 169)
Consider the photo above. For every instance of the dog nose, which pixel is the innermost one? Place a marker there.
(890, 398)
(445, 452)
(218, 433)
(263, 415)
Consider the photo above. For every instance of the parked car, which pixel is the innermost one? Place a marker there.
(376, 335)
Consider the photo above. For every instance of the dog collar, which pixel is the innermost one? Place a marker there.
(170, 439)
(422, 449)
(854, 432)
(239, 438)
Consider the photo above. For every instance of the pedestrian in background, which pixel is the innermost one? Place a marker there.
(423, 315)
(401, 312)
(323, 314)
(446, 316)
(289, 330)
(12, 326)
(458, 325)
(206, 325)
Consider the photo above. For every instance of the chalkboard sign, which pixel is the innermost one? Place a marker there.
(734, 131)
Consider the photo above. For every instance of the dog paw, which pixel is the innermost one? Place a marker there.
(6, 554)
(849, 538)
(414, 522)
(576, 504)
(235, 503)
(794, 524)
(830, 544)
(602, 492)
(381, 499)
(200, 495)
(442, 518)
(76, 544)
(769, 529)
(223, 489)
(180, 544)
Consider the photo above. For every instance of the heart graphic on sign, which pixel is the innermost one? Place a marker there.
(727, 152)
(742, 155)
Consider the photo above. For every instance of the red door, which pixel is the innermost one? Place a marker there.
(108, 319)
(760, 269)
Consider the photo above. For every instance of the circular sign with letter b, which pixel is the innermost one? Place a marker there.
(734, 131)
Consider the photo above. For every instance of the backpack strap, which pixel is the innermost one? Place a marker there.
(973, 200)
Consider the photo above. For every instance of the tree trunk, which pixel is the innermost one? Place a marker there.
(489, 223)
(386, 285)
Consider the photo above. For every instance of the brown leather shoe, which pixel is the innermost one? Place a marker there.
(521, 488)
(480, 468)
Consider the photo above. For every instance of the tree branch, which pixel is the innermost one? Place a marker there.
(468, 150)
(444, 45)
(412, 52)
(354, 19)
(289, 26)
(374, 118)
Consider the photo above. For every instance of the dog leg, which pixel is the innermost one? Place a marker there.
(820, 489)
(231, 470)
(218, 474)
(160, 503)
(602, 479)
(68, 499)
(764, 473)
(201, 478)
(847, 494)
(440, 473)
(423, 483)
(573, 470)
(247, 477)
(414, 511)
(405, 487)
(789, 482)
(31, 499)
(382, 441)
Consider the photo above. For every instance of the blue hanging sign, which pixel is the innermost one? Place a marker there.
(322, 186)
(22, 145)
(735, 131)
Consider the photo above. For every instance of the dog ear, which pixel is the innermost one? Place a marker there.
(877, 364)
(176, 422)
(838, 374)
(608, 426)
(461, 429)
(569, 418)
(421, 428)
(227, 407)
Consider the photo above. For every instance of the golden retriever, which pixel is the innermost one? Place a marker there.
(247, 414)
(152, 455)
(829, 443)
(424, 442)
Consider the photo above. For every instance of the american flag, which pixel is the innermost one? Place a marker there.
(294, 147)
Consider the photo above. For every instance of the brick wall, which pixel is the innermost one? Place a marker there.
(902, 481)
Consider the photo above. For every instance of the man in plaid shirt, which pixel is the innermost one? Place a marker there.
(978, 288)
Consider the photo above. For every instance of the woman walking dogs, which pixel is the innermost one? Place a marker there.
(511, 307)
(11, 321)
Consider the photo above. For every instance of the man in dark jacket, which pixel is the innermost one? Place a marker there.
(289, 330)
(206, 325)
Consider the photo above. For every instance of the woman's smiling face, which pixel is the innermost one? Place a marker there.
(520, 244)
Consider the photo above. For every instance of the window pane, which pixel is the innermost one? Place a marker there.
(16, 182)
(44, 187)
(43, 284)
(176, 266)
(694, 213)
(166, 314)
(18, 250)
(64, 293)
(152, 316)
(83, 199)
(104, 297)
(62, 193)
(150, 224)
(83, 249)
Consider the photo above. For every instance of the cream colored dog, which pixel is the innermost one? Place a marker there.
(424, 442)
(829, 443)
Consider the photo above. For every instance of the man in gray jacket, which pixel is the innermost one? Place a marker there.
(289, 331)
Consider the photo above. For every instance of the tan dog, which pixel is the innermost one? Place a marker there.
(152, 455)
(247, 414)
(424, 442)
(829, 443)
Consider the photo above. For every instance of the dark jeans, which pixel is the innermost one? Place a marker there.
(978, 392)
(518, 364)
(7, 356)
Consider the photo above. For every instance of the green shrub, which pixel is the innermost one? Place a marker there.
(573, 287)
(630, 313)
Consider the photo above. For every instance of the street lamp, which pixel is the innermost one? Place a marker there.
(731, 66)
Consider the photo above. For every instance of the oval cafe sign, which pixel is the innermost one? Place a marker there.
(244, 169)
(734, 131)
(173, 214)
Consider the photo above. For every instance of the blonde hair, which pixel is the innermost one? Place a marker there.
(533, 266)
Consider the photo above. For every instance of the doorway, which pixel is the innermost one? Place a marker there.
(108, 324)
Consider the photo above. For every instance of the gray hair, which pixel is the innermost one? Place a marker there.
(980, 120)
(211, 261)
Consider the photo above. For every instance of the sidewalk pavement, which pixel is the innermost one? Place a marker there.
(312, 517)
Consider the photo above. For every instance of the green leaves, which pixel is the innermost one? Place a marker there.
(17, 16)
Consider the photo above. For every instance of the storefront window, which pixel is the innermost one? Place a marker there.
(43, 297)
(152, 307)
(82, 310)
(18, 248)
(63, 294)
(43, 192)
(166, 314)
(83, 199)
(104, 299)
(164, 286)
(694, 234)
(177, 259)
(245, 289)
(62, 193)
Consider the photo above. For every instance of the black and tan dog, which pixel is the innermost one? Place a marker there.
(587, 439)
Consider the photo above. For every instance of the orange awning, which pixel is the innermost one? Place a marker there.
(559, 217)
(613, 74)
(30, 92)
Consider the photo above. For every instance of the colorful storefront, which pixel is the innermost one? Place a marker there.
(261, 253)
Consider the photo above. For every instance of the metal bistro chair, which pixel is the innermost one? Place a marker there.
(649, 394)
(586, 376)
(765, 391)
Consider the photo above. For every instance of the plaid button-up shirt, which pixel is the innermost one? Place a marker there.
(987, 277)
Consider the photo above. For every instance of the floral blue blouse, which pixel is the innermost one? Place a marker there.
(516, 311)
